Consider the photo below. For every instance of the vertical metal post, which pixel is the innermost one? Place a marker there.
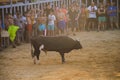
(63, 2)
(80, 3)
(67, 3)
(59, 3)
(55, 3)
(38, 6)
(104, 1)
(41, 6)
(17, 8)
(35, 6)
(11, 6)
(25, 8)
(3, 15)
(14, 10)
(21, 10)
(6, 10)
(118, 11)
(25, 1)
(31, 6)
(111, 1)
(86, 3)
(98, 2)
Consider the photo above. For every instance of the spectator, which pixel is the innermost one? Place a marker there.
(61, 21)
(101, 17)
(24, 22)
(4, 33)
(47, 11)
(56, 11)
(112, 12)
(20, 32)
(51, 23)
(35, 27)
(6, 21)
(29, 26)
(12, 30)
(92, 15)
(73, 17)
(107, 16)
(65, 11)
(42, 26)
(33, 16)
(77, 16)
(83, 17)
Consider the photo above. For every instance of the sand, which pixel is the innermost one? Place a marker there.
(98, 60)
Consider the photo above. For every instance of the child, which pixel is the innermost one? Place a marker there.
(42, 26)
(51, 25)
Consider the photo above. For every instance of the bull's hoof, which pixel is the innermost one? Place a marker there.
(34, 62)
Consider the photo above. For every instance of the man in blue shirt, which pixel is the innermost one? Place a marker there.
(112, 13)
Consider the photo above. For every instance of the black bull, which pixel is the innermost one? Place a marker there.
(61, 44)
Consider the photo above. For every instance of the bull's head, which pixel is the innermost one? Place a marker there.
(78, 45)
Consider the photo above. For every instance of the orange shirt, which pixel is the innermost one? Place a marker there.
(65, 13)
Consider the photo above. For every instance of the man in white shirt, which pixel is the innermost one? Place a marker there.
(51, 24)
(92, 9)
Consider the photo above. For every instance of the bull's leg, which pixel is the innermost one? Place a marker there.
(36, 58)
(63, 58)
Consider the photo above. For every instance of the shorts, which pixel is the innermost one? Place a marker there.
(41, 27)
(101, 19)
(91, 20)
(74, 23)
(61, 25)
(29, 28)
(51, 27)
(113, 18)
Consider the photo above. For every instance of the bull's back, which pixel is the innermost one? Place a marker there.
(56, 43)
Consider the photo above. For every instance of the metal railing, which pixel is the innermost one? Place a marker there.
(11, 8)
(22, 7)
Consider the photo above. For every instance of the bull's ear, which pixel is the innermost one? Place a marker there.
(41, 47)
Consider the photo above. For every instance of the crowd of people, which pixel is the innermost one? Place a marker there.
(52, 21)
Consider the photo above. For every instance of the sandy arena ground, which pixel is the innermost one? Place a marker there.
(98, 60)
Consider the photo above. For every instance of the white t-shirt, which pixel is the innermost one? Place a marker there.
(92, 14)
(23, 19)
(51, 19)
